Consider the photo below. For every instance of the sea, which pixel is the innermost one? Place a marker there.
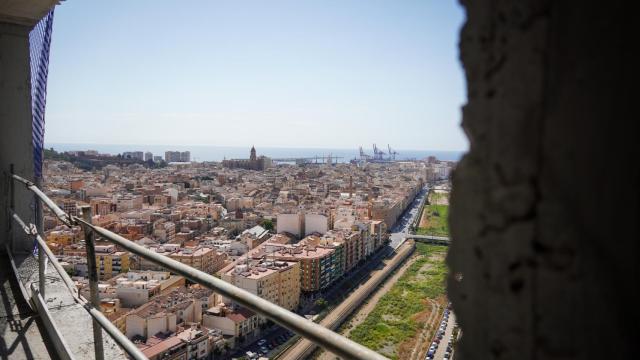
(219, 153)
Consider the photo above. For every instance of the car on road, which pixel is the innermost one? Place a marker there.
(431, 353)
(262, 342)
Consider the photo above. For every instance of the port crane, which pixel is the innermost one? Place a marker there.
(363, 155)
(392, 153)
(377, 153)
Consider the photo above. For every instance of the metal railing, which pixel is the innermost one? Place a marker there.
(316, 333)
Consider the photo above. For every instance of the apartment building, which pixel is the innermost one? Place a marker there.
(164, 313)
(111, 262)
(102, 206)
(276, 281)
(319, 266)
(241, 324)
(202, 258)
(191, 343)
(164, 230)
(137, 287)
(63, 237)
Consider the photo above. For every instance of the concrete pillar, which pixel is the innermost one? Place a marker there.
(545, 206)
(15, 128)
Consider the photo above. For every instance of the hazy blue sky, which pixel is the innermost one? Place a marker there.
(335, 74)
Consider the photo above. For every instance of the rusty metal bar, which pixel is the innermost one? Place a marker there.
(89, 238)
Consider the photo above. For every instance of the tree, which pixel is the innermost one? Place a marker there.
(267, 224)
(321, 303)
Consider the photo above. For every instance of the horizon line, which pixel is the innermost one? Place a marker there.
(356, 148)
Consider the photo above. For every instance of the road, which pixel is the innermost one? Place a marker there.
(401, 228)
(445, 339)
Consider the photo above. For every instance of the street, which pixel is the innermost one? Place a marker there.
(401, 228)
(442, 348)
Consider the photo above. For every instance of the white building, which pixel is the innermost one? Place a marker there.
(291, 223)
(315, 223)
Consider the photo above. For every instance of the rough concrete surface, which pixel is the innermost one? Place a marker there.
(545, 206)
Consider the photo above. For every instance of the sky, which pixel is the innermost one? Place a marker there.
(326, 74)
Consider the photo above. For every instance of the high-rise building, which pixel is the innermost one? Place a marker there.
(136, 155)
(185, 156)
(171, 156)
(177, 156)
(148, 156)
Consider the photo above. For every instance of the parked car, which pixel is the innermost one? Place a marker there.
(262, 342)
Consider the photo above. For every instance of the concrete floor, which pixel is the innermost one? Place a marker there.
(71, 319)
(20, 328)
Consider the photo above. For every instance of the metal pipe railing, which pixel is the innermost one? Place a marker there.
(52, 258)
(124, 342)
(89, 240)
(45, 199)
(316, 333)
(63, 350)
(121, 339)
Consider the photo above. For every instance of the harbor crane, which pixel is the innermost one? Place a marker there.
(377, 153)
(363, 155)
(392, 153)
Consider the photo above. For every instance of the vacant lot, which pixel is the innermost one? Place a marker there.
(399, 317)
(435, 216)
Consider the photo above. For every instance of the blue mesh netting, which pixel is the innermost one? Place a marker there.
(39, 44)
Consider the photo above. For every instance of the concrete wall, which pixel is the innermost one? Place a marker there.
(132, 297)
(315, 223)
(225, 325)
(15, 127)
(135, 325)
(157, 323)
(290, 223)
(544, 233)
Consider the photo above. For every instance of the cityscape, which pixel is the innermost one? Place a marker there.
(331, 241)
(317, 180)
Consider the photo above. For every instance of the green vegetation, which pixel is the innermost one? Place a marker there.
(321, 303)
(437, 216)
(51, 154)
(393, 319)
(267, 224)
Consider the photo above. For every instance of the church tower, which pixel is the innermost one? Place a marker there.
(253, 156)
